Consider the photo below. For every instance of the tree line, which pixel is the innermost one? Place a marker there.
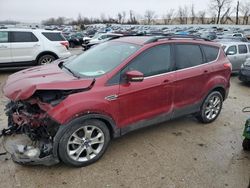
(219, 12)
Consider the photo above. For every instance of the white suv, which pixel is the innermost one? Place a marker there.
(27, 47)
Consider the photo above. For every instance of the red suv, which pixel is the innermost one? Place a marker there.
(74, 107)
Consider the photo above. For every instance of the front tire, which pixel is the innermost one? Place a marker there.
(84, 142)
(211, 107)
(46, 59)
(246, 144)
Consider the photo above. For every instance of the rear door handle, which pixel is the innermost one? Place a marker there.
(166, 81)
(205, 71)
(36, 45)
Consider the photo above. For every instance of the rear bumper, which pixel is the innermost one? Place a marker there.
(244, 75)
(64, 55)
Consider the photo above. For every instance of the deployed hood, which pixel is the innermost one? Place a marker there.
(22, 85)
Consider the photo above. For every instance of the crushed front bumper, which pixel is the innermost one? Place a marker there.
(24, 151)
(46, 161)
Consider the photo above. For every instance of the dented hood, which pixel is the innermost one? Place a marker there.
(22, 85)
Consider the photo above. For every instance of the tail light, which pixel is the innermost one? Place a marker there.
(228, 65)
(66, 44)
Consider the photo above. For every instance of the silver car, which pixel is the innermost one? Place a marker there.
(237, 53)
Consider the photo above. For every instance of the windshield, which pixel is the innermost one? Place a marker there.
(101, 59)
(97, 35)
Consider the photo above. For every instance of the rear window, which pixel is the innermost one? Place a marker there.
(211, 53)
(3, 36)
(23, 36)
(242, 49)
(188, 55)
(54, 36)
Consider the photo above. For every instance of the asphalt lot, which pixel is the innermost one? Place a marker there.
(179, 153)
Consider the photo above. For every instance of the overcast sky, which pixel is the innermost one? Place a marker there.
(37, 10)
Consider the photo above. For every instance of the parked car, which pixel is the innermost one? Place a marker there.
(28, 47)
(237, 53)
(73, 108)
(244, 74)
(100, 38)
(75, 39)
(247, 33)
(208, 35)
(226, 38)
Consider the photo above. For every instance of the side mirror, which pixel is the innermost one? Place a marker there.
(134, 76)
(230, 53)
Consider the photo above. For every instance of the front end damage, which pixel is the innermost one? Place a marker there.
(30, 133)
(37, 111)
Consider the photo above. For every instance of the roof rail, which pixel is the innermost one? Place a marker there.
(172, 37)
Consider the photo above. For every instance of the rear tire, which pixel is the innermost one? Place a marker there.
(246, 144)
(46, 59)
(84, 142)
(210, 108)
(72, 45)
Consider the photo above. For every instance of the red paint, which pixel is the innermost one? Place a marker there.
(23, 84)
(136, 100)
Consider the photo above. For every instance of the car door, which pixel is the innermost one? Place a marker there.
(232, 54)
(25, 46)
(5, 47)
(243, 54)
(152, 98)
(190, 78)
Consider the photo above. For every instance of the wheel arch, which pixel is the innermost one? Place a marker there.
(46, 53)
(113, 130)
(220, 89)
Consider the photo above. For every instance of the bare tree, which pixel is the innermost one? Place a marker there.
(54, 21)
(132, 18)
(237, 12)
(149, 16)
(245, 10)
(103, 18)
(167, 18)
(123, 16)
(226, 16)
(201, 17)
(193, 15)
(183, 14)
(219, 6)
(119, 18)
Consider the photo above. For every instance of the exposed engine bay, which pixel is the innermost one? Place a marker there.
(31, 130)
(30, 133)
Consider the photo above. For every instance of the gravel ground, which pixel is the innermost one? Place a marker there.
(179, 153)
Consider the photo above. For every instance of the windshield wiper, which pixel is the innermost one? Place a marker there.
(68, 69)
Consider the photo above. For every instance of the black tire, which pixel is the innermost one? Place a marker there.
(72, 45)
(64, 145)
(246, 144)
(202, 116)
(46, 59)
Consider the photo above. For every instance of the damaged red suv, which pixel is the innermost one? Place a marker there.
(73, 107)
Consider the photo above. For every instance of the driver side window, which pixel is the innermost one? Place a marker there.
(232, 50)
(154, 61)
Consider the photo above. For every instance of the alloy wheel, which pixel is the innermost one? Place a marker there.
(85, 143)
(213, 107)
